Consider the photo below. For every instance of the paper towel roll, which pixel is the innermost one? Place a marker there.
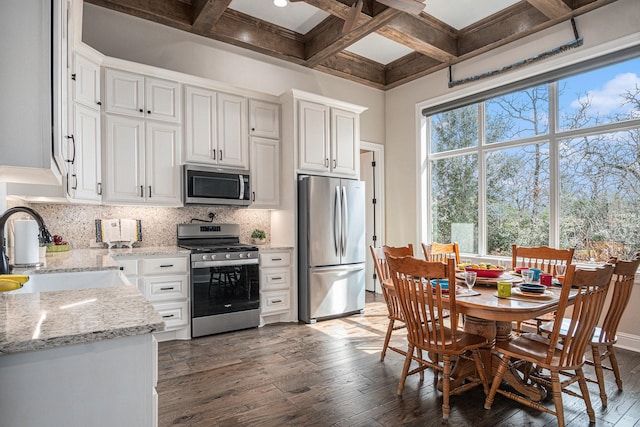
(25, 246)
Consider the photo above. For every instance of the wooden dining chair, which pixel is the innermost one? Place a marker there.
(396, 320)
(546, 259)
(417, 284)
(604, 338)
(441, 251)
(560, 355)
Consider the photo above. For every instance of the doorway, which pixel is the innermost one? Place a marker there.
(372, 173)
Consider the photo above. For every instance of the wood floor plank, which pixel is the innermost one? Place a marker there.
(330, 374)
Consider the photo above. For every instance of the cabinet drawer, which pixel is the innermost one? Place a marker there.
(164, 265)
(128, 266)
(162, 288)
(174, 314)
(275, 259)
(275, 278)
(275, 302)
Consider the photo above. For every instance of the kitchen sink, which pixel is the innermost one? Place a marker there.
(72, 280)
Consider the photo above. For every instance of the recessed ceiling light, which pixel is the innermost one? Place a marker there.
(280, 3)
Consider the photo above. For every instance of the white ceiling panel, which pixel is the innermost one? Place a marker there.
(379, 49)
(462, 13)
(299, 16)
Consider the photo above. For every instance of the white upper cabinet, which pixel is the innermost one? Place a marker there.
(84, 179)
(313, 128)
(328, 139)
(233, 140)
(142, 162)
(345, 142)
(264, 119)
(265, 173)
(142, 96)
(215, 128)
(200, 125)
(86, 82)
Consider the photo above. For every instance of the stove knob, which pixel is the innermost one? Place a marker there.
(241, 256)
(204, 257)
(249, 255)
(213, 256)
(227, 256)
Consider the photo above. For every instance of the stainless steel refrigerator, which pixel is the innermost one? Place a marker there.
(331, 247)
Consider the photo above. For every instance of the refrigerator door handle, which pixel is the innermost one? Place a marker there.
(345, 223)
(333, 269)
(336, 220)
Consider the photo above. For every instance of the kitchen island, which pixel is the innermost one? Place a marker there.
(78, 357)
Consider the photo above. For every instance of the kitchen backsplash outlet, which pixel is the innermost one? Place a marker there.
(76, 223)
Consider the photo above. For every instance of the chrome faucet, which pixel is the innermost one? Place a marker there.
(44, 236)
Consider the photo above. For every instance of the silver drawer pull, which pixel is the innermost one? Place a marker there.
(276, 301)
(168, 316)
(167, 289)
(276, 259)
(166, 265)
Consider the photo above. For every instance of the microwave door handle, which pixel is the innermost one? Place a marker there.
(241, 178)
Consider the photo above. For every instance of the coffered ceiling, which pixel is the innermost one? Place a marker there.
(383, 48)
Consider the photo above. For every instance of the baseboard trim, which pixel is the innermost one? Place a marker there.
(628, 342)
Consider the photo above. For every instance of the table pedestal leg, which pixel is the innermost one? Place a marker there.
(493, 331)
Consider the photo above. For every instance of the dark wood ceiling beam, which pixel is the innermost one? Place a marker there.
(251, 33)
(355, 68)
(410, 67)
(174, 14)
(206, 13)
(552, 9)
(330, 40)
(424, 35)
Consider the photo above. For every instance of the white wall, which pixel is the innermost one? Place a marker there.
(126, 37)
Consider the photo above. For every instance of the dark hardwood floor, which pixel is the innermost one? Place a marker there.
(330, 374)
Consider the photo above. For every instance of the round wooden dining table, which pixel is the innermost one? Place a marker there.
(491, 316)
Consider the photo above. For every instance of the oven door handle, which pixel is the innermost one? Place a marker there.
(223, 263)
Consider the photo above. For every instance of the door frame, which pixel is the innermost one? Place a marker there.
(378, 151)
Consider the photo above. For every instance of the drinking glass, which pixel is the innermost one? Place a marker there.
(527, 276)
(470, 279)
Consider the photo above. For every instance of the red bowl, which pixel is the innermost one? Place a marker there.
(486, 273)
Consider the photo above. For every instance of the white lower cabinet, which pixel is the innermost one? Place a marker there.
(276, 286)
(164, 281)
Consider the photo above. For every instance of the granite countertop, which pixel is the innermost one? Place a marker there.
(45, 320)
(93, 259)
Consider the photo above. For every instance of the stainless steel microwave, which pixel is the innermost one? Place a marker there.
(215, 186)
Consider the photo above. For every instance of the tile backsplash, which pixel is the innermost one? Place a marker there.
(76, 223)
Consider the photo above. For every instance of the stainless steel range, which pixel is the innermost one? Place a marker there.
(225, 281)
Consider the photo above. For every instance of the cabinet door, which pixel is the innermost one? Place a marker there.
(125, 93)
(264, 119)
(313, 128)
(86, 85)
(162, 100)
(345, 151)
(162, 164)
(85, 182)
(124, 162)
(233, 143)
(200, 125)
(265, 173)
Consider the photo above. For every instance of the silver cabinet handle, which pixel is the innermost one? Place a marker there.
(75, 182)
(326, 162)
(276, 301)
(149, 191)
(73, 144)
(99, 189)
(214, 153)
(334, 163)
(141, 191)
(220, 155)
(276, 259)
(276, 278)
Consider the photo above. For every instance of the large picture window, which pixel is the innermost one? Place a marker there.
(557, 164)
